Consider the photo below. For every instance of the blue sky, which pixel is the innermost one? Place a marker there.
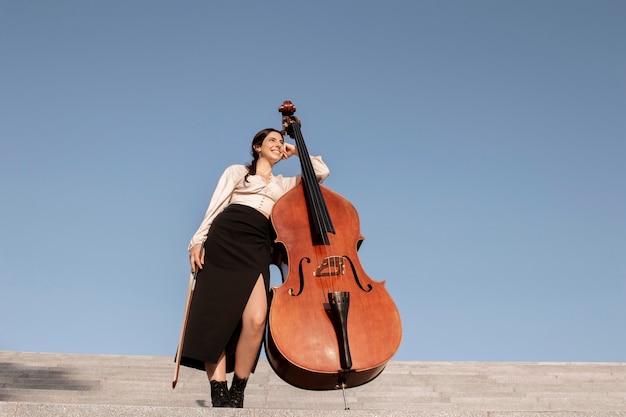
(482, 143)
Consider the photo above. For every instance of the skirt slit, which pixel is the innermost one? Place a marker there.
(237, 252)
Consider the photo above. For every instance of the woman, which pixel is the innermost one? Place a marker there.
(231, 251)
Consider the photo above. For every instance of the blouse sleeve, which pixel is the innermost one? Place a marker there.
(321, 172)
(220, 199)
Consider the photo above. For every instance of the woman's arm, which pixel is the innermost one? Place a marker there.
(321, 172)
(220, 199)
(321, 169)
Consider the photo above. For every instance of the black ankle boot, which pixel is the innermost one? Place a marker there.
(236, 391)
(219, 394)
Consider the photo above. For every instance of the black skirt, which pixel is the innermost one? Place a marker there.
(237, 251)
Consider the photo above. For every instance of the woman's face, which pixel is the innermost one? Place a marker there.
(272, 148)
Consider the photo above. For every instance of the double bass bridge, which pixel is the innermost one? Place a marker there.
(331, 266)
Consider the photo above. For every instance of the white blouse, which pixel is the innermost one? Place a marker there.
(255, 192)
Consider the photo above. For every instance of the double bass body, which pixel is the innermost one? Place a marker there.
(330, 325)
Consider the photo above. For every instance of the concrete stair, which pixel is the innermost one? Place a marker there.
(46, 384)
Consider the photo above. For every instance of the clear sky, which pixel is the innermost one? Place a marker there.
(482, 143)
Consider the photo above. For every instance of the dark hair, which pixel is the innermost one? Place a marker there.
(257, 140)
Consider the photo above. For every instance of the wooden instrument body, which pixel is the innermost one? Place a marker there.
(302, 342)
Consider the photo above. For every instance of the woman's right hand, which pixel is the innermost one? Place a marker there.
(196, 257)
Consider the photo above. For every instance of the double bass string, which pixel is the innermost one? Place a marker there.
(320, 221)
(319, 206)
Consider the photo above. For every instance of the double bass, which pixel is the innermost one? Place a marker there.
(330, 325)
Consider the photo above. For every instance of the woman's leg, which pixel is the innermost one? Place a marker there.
(252, 330)
(216, 371)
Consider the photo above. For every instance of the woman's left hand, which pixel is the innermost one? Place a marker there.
(290, 150)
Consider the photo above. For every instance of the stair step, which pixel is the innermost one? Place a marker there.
(55, 384)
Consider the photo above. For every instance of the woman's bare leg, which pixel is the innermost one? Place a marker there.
(252, 330)
(217, 377)
(216, 371)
